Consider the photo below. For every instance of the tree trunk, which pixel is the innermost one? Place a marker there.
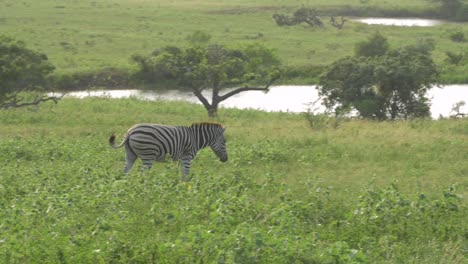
(212, 108)
(216, 99)
(212, 111)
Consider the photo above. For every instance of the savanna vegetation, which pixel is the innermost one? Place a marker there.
(379, 83)
(212, 67)
(356, 192)
(298, 188)
(91, 42)
(23, 74)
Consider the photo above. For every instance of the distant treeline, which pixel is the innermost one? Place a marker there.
(451, 10)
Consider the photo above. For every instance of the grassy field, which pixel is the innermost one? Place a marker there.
(87, 36)
(365, 192)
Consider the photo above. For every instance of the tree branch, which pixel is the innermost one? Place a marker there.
(243, 89)
(199, 95)
(334, 22)
(17, 102)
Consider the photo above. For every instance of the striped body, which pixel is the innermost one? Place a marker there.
(153, 142)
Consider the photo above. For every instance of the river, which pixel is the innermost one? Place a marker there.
(293, 98)
(400, 22)
(285, 98)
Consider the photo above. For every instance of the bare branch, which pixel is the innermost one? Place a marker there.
(15, 102)
(243, 89)
(335, 23)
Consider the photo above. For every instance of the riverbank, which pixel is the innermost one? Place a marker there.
(295, 99)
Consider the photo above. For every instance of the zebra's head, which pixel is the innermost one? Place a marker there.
(218, 145)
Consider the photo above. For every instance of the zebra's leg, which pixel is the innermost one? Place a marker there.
(148, 163)
(130, 159)
(185, 167)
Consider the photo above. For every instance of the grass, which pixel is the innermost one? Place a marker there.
(88, 36)
(365, 192)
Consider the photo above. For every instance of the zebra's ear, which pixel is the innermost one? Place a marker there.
(224, 129)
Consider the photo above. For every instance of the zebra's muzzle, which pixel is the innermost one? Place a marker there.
(224, 159)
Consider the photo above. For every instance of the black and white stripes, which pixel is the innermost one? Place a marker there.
(152, 142)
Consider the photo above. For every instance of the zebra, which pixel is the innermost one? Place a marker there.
(152, 142)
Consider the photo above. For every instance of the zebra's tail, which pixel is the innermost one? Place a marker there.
(112, 142)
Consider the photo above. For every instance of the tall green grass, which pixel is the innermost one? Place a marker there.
(364, 192)
(89, 36)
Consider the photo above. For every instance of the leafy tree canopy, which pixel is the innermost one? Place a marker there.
(452, 9)
(390, 86)
(21, 70)
(214, 67)
(376, 45)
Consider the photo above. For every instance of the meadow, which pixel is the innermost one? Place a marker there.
(87, 37)
(359, 192)
(348, 191)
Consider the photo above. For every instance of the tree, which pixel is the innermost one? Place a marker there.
(390, 86)
(308, 16)
(198, 68)
(350, 83)
(22, 71)
(403, 77)
(449, 8)
(301, 15)
(336, 24)
(376, 45)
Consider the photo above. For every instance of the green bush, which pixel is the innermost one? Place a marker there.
(457, 36)
(110, 78)
(462, 13)
(454, 58)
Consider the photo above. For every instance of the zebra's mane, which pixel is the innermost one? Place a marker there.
(206, 124)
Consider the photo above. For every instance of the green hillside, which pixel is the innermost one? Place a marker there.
(88, 36)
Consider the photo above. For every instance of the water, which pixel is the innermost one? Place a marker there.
(279, 98)
(401, 22)
(287, 98)
(444, 98)
(298, 98)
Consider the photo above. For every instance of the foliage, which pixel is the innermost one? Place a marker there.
(455, 58)
(462, 13)
(322, 120)
(110, 78)
(457, 36)
(388, 86)
(455, 9)
(301, 15)
(308, 16)
(361, 193)
(214, 67)
(199, 37)
(80, 48)
(379, 209)
(376, 45)
(21, 70)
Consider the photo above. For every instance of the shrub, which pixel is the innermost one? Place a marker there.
(376, 45)
(457, 36)
(199, 37)
(108, 78)
(462, 13)
(454, 58)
